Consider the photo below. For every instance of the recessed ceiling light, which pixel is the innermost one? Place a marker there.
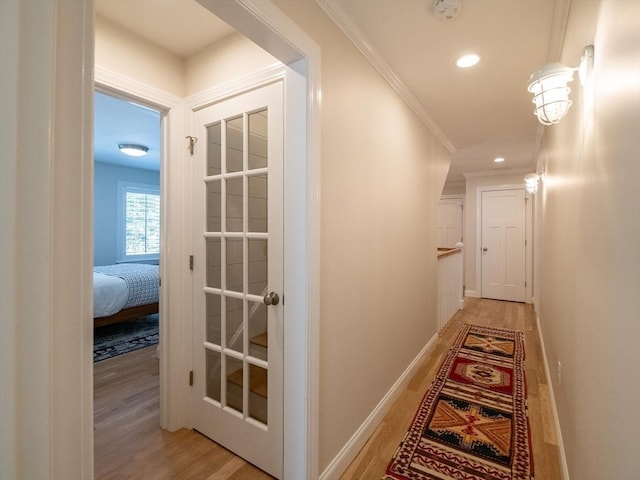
(498, 159)
(467, 61)
(133, 150)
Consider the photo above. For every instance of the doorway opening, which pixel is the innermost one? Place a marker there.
(126, 284)
(301, 89)
(503, 263)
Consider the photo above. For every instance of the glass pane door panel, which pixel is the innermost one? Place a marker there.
(234, 264)
(258, 330)
(258, 266)
(214, 263)
(235, 144)
(258, 140)
(214, 207)
(258, 203)
(258, 384)
(214, 316)
(234, 205)
(234, 324)
(214, 149)
(212, 368)
(234, 383)
(237, 259)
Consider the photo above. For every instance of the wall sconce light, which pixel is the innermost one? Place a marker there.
(549, 87)
(133, 150)
(531, 182)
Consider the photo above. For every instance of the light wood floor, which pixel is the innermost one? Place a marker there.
(374, 457)
(130, 445)
(128, 441)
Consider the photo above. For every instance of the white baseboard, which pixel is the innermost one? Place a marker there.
(471, 293)
(563, 459)
(351, 449)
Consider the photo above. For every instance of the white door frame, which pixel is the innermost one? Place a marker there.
(269, 28)
(172, 184)
(528, 237)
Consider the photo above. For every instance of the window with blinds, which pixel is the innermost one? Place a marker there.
(139, 222)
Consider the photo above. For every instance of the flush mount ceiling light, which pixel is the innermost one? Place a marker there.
(498, 159)
(467, 61)
(550, 90)
(531, 182)
(133, 150)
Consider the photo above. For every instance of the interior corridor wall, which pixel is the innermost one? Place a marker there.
(382, 175)
(589, 267)
(231, 58)
(105, 206)
(122, 52)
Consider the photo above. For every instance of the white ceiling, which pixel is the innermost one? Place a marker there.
(483, 112)
(182, 27)
(117, 122)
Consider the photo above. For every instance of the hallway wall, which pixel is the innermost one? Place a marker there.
(382, 175)
(118, 50)
(589, 268)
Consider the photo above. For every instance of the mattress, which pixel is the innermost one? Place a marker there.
(110, 294)
(116, 287)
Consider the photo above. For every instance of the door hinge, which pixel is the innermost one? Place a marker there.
(191, 378)
(525, 284)
(525, 243)
(190, 262)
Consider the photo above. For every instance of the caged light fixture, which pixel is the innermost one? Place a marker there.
(550, 91)
(531, 182)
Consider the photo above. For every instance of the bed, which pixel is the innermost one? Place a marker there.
(124, 292)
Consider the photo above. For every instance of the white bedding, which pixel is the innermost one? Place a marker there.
(110, 294)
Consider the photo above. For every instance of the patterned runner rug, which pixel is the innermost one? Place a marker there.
(472, 423)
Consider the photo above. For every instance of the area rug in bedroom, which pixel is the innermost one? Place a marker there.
(472, 423)
(123, 337)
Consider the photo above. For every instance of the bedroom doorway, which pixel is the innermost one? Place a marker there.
(127, 216)
(127, 240)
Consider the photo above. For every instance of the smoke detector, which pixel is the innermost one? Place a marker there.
(447, 9)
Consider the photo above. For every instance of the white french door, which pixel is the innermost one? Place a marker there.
(238, 275)
(502, 245)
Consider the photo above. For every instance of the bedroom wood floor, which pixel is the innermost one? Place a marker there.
(130, 445)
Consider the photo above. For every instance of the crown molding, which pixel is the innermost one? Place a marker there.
(116, 84)
(358, 38)
(454, 185)
(498, 173)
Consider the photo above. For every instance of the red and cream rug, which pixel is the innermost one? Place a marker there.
(472, 423)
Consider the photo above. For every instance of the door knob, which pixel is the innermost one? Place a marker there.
(271, 298)
(484, 249)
